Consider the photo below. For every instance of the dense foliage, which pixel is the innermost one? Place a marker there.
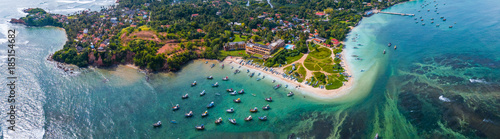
(213, 22)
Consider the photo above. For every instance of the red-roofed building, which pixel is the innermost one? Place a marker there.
(199, 30)
(320, 13)
(335, 41)
(194, 15)
(255, 30)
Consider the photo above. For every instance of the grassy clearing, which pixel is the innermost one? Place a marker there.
(322, 53)
(144, 28)
(335, 81)
(238, 38)
(240, 53)
(293, 59)
(299, 72)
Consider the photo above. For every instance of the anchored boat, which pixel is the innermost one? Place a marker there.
(157, 124)
(218, 121)
(210, 105)
(185, 96)
(263, 118)
(200, 127)
(254, 110)
(176, 107)
(249, 118)
(231, 110)
(269, 99)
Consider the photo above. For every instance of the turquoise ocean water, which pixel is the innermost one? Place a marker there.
(440, 82)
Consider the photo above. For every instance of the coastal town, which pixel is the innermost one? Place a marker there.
(303, 45)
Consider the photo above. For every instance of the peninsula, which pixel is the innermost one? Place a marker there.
(300, 39)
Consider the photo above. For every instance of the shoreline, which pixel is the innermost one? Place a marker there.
(316, 93)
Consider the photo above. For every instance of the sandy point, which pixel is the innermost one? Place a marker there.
(316, 93)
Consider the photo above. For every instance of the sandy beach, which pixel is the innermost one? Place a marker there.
(301, 87)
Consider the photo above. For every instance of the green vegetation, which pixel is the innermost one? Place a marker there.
(321, 53)
(238, 38)
(292, 59)
(198, 20)
(145, 54)
(299, 72)
(240, 53)
(281, 57)
(335, 81)
(39, 17)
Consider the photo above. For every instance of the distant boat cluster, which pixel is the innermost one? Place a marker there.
(435, 10)
(231, 92)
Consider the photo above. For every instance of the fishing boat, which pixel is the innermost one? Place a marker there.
(289, 94)
(277, 86)
(230, 90)
(218, 121)
(384, 51)
(241, 91)
(248, 71)
(189, 114)
(450, 26)
(258, 79)
(233, 121)
(202, 93)
(213, 65)
(286, 85)
(200, 127)
(389, 45)
(442, 17)
(204, 114)
(251, 75)
(254, 109)
(216, 84)
(258, 74)
(210, 105)
(236, 71)
(225, 78)
(193, 84)
(266, 107)
(437, 25)
(355, 47)
(421, 19)
(233, 93)
(206, 62)
(210, 77)
(395, 47)
(157, 124)
(237, 100)
(263, 118)
(432, 22)
(423, 24)
(354, 55)
(249, 118)
(176, 107)
(263, 77)
(185, 96)
(274, 81)
(231, 110)
(269, 99)
(376, 136)
(222, 66)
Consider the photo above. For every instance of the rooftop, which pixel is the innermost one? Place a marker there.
(257, 45)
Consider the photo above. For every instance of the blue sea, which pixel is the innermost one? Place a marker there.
(440, 82)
